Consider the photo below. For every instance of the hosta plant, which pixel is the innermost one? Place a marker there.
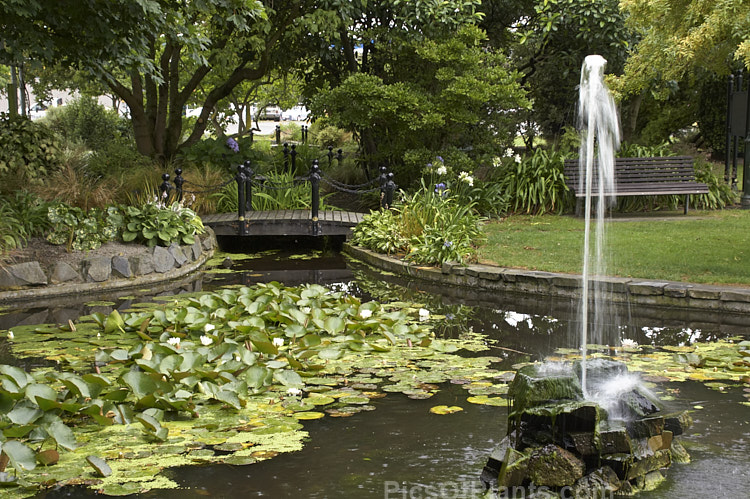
(155, 224)
(82, 231)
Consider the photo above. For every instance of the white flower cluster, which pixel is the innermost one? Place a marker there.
(465, 177)
(442, 170)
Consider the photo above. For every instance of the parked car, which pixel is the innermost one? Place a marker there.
(272, 113)
(37, 111)
(297, 113)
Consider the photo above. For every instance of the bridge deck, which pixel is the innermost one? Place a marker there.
(285, 223)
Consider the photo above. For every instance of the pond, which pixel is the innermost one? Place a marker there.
(401, 449)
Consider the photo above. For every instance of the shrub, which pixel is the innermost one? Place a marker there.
(82, 230)
(28, 151)
(86, 121)
(534, 184)
(155, 224)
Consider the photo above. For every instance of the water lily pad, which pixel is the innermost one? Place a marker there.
(444, 409)
(308, 415)
(485, 400)
(100, 466)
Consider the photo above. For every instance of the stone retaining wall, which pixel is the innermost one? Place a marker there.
(668, 294)
(93, 273)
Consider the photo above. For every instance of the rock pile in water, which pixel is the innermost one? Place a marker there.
(614, 442)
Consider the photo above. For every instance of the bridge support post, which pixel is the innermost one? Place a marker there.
(241, 179)
(165, 187)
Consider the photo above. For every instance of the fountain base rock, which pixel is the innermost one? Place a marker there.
(614, 442)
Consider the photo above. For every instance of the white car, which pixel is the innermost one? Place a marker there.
(297, 113)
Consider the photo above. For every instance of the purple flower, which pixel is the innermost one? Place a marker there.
(439, 187)
(448, 244)
(440, 159)
(233, 145)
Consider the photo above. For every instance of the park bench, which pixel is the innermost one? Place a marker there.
(660, 176)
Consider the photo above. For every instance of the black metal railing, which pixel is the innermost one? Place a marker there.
(247, 179)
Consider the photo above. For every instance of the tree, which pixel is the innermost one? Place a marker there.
(153, 54)
(548, 41)
(678, 36)
(406, 76)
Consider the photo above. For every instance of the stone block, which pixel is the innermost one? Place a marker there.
(142, 264)
(677, 423)
(178, 254)
(704, 293)
(163, 260)
(28, 274)
(121, 267)
(64, 272)
(660, 459)
(648, 288)
(740, 295)
(596, 484)
(614, 438)
(97, 269)
(196, 250)
(677, 290)
(553, 466)
(646, 427)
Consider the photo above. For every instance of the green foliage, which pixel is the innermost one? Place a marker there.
(281, 192)
(82, 231)
(380, 231)
(219, 153)
(633, 150)
(535, 184)
(12, 231)
(86, 121)
(720, 193)
(28, 151)
(430, 227)
(29, 209)
(155, 224)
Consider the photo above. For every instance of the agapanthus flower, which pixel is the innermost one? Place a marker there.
(233, 145)
(442, 170)
(465, 177)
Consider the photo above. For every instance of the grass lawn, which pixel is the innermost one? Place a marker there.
(702, 247)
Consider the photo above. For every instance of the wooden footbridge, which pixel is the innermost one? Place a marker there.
(303, 222)
(284, 223)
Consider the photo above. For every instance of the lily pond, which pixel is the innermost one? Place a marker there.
(310, 375)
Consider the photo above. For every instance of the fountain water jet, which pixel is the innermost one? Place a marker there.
(591, 427)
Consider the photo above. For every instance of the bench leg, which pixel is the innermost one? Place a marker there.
(687, 203)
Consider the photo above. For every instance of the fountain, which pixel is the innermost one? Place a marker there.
(589, 428)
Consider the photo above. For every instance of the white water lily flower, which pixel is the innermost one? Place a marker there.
(365, 313)
(209, 327)
(424, 314)
(174, 341)
(294, 392)
(277, 342)
(205, 340)
(305, 310)
(10, 335)
(628, 343)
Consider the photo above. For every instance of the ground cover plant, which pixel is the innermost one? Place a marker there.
(226, 376)
(702, 247)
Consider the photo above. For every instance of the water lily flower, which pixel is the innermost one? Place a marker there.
(10, 335)
(365, 313)
(277, 342)
(205, 340)
(424, 314)
(174, 341)
(628, 343)
(294, 392)
(209, 327)
(305, 310)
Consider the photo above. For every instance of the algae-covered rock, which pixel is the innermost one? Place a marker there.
(514, 469)
(677, 423)
(539, 384)
(596, 484)
(553, 466)
(660, 459)
(614, 438)
(679, 453)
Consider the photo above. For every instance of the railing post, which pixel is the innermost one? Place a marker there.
(278, 134)
(178, 181)
(165, 187)
(315, 185)
(286, 156)
(727, 160)
(330, 156)
(252, 135)
(304, 134)
(745, 199)
(240, 177)
(339, 156)
(249, 175)
(293, 154)
(390, 188)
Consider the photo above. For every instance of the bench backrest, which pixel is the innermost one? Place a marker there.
(641, 170)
